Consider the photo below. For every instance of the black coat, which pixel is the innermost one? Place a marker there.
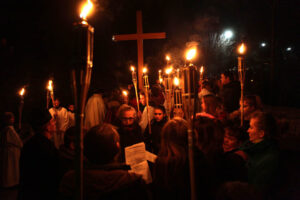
(171, 179)
(129, 136)
(103, 182)
(66, 160)
(39, 169)
(263, 164)
(232, 167)
(230, 94)
(153, 140)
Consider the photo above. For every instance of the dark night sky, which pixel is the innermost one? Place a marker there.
(37, 39)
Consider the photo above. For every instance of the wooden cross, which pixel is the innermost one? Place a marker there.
(139, 36)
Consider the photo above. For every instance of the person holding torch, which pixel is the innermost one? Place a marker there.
(61, 117)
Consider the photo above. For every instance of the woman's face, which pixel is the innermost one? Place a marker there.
(12, 120)
(255, 135)
(51, 127)
(158, 115)
(248, 110)
(229, 142)
(142, 99)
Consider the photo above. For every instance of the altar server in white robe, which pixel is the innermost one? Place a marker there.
(61, 116)
(10, 150)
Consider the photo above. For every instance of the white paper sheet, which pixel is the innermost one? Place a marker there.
(136, 156)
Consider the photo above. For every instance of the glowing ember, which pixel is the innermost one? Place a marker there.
(132, 68)
(168, 58)
(22, 92)
(176, 81)
(160, 80)
(86, 8)
(191, 53)
(145, 70)
(242, 49)
(50, 85)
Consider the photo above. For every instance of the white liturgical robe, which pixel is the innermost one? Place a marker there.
(10, 151)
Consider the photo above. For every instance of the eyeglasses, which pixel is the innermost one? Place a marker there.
(129, 119)
(157, 113)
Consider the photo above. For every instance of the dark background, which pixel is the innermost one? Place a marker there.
(38, 41)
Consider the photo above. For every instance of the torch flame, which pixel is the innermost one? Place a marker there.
(169, 70)
(242, 49)
(22, 92)
(125, 93)
(145, 70)
(50, 85)
(86, 8)
(132, 68)
(201, 70)
(176, 81)
(160, 80)
(168, 58)
(191, 53)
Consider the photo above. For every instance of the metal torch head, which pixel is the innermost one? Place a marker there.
(190, 79)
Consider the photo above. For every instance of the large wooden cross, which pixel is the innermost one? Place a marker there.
(139, 36)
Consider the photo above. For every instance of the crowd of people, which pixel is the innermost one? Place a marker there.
(230, 161)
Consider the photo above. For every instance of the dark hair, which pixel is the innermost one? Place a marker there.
(100, 144)
(172, 115)
(7, 118)
(267, 123)
(228, 74)
(236, 132)
(160, 107)
(208, 85)
(211, 104)
(253, 101)
(155, 91)
(173, 155)
(210, 135)
(173, 137)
